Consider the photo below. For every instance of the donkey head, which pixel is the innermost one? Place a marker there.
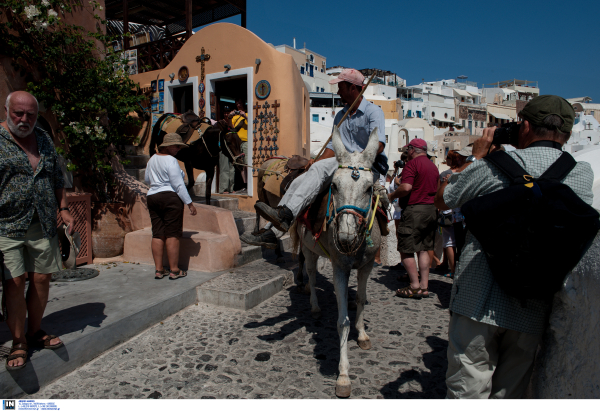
(353, 187)
(232, 147)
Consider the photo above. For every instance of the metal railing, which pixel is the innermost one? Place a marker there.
(411, 99)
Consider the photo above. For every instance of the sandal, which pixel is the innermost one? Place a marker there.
(177, 274)
(449, 275)
(158, 275)
(41, 339)
(17, 347)
(423, 290)
(409, 292)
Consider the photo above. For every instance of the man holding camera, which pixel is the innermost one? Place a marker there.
(493, 337)
(418, 222)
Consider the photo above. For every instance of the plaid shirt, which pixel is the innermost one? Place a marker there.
(23, 192)
(475, 294)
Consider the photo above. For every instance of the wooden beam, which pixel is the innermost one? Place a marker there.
(188, 19)
(125, 24)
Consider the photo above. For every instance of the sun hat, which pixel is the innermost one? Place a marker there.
(351, 76)
(69, 244)
(541, 107)
(172, 139)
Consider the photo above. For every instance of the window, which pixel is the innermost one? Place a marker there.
(433, 114)
(463, 123)
(315, 118)
(445, 115)
(323, 118)
(312, 58)
(302, 70)
(409, 114)
(311, 70)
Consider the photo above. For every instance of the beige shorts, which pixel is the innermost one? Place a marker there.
(30, 254)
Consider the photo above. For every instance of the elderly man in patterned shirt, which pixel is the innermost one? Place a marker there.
(31, 191)
(493, 338)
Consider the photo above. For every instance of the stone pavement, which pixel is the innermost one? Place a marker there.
(276, 350)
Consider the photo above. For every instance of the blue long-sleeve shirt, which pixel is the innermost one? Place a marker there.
(356, 129)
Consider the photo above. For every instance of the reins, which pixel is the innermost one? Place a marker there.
(362, 214)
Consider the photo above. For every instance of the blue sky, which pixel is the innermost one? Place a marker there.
(553, 42)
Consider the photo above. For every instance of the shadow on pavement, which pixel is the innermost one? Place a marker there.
(324, 330)
(432, 382)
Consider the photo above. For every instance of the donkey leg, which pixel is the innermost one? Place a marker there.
(210, 173)
(300, 275)
(311, 269)
(361, 298)
(189, 170)
(340, 281)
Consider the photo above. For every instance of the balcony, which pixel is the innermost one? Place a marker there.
(158, 54)
(411, 99)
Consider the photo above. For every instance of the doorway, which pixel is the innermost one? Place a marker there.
(183, 99)
(228, 93)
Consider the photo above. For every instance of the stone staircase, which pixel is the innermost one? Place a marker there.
(244, 220)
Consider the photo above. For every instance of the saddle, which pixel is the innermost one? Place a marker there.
(295, 167)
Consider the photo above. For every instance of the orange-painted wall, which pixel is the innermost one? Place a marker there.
(234, 45)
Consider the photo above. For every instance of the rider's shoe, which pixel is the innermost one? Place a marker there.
(281, 217)
(265, 239)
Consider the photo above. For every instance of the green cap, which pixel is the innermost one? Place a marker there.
(541, 107)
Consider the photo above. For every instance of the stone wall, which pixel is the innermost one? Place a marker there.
(568, 364)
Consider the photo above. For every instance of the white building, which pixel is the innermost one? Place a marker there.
(311, 66)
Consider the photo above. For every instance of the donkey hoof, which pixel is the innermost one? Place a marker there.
(364, 344)
(343, 391)
(302, 289)
(316, 315)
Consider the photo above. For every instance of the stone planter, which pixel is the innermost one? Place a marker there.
(110, 226)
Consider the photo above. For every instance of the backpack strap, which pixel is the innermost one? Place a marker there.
(509, 166)
(560, 168)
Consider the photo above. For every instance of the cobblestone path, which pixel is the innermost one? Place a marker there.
(276, 350)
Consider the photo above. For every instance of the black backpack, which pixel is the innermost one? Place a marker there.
(533, 232)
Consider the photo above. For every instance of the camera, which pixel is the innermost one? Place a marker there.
(507, 134)
(236, 112)
(399, 164)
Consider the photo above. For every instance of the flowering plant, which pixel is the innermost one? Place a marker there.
(78, 77)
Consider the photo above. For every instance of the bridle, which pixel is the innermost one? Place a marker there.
(362, 214)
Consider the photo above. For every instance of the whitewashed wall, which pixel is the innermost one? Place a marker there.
(568, 365)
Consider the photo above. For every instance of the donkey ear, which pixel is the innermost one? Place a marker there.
(370, 151)
(338, 146)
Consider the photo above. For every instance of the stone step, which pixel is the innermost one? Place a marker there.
(221, 201)
(242, 292)
(245, 221)
(252, 253)
(137, 161)
(138, 173)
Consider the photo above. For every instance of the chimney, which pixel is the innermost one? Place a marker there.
(305, 45)
(294, 42)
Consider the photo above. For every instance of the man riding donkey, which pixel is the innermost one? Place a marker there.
(355, 131)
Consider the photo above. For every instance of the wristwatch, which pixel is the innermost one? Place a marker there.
(471, 158)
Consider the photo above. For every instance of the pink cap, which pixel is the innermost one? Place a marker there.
(351, 76)
(419, 143)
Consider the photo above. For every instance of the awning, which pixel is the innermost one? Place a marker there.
(443, 120)
(474, 93)
(501, 116)
(460, 92)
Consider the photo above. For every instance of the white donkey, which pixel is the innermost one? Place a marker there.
(347, 243)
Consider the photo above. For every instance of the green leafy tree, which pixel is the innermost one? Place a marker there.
(76, 74)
